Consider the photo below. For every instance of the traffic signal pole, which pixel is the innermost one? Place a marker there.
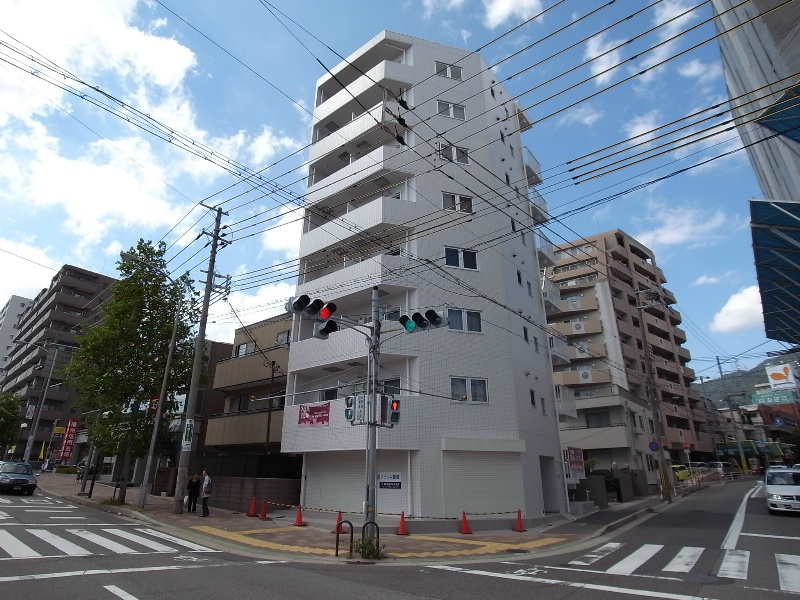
(373, 414)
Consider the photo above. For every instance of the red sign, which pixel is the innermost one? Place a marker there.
(575, 457)
(69, 439)
(687, 445)
(316, 415)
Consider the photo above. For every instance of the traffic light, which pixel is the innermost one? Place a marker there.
(322, 329)
(419, 322)
(394, 410)
(350, 408)
(297, 304)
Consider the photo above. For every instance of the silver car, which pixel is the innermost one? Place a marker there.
(782, 490)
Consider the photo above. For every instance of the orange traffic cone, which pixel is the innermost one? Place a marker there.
(338, 527)
(464, 524)
(252, 512)
(401, 530)
(298, 522)
(263, 516)
(519, 526)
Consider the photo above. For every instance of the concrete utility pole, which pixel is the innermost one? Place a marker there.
(35, 424)
(374, 415)
(197, 366)
(664, 467)
(727, 398)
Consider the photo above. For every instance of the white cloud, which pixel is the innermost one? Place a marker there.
(432, 6)
(741, 311)
(267, 301)
(584, 114)
(267, 144)
(500, 11)
(28, 266)
(639, 129)
(284, 236)
(682, 226)
(706, 280)
(599, 67)
(702, 72)
(465, 35)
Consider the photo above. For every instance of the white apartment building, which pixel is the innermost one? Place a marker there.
(9, 320)
(419, 184)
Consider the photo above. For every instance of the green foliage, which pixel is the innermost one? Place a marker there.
(119, 364)
(112, 502)
(64, 470)
(367, 547)
(10, 418)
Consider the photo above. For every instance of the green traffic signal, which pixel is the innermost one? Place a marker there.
(407, 323)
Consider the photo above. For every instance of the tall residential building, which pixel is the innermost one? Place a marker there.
(618, 320)
(9, 320)
(43, 344)
(420, 186)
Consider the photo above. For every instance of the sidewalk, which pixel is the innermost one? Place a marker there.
(279, 539)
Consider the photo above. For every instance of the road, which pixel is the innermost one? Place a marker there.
(719, 543)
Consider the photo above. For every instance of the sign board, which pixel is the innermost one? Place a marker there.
(781, 377)
(314, 415)
(361, 410)
(654, 446)
(188, 434)
(69, 439)
(390, 481)
(30, 411)
(687, 445)
(776, 397)
(575, 458)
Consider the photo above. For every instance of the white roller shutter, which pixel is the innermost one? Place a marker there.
(340, 480)
(481, 482)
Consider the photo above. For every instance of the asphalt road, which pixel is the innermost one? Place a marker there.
(703, 546)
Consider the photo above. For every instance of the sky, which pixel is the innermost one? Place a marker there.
(80, 181)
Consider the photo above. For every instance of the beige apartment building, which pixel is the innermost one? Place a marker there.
(617, 318)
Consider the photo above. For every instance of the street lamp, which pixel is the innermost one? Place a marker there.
(148, 468)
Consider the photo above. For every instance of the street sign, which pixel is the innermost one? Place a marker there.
(654, 446)
(188, 433)
(687, 445)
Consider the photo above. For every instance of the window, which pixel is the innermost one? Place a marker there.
(245, 349)
(454, 111)
(533, 397)
(598, 418)
(519, 277)
(466, 389)
(457, 318)
(465, 259)
(457, 202)
(530, 289)
(283, 337)
(329, 394)
(450, 71)
(536, 344)
(454, 153)
(392, 387)
(525, 335)
(544, 406)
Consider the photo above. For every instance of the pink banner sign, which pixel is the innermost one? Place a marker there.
(316, 415)
(575, 458)
(69, 439)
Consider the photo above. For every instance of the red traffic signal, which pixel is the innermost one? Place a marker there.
(326, 312)
(394, 411)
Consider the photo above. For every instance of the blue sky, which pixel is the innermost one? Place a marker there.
(78, 183)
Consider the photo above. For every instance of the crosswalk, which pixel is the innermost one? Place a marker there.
(732, 564)
(37, 542)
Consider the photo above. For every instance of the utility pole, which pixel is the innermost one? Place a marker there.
(372, 424)
(273, 366)
(733, 420)
(197, 366)
(664, 468)
(35, 424)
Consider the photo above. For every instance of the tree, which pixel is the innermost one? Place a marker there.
(118, 366)
(10, 418)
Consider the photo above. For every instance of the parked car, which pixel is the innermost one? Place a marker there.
(680, 472)
(782, 490)
(697, 467)
(17, 477)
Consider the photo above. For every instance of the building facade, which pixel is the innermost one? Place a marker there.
(10, 315)
(616, 316)
(419, 186)
(46, 335)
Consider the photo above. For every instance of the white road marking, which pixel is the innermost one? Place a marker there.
(629, 564)
(788, 572)
(60, 543)
(735, 530)
(595, 555)
(684, 560)
(734, 564)
(574, 584)
(140, 540)
(5, 501)
(14, 547)
(84, 573)
(73, 518)
(55, 511)
(179, 541)
(120, 592)
(101, 541)
(775, 537)
(5, 515)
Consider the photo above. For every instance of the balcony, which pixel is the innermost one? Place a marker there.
(524, 122)
(578, 378)
(360, 127)
(587, 352)
(246, 370)
(533, 170)
(372, 219)
(559, 350)
(356, 273)
(614, 435)
(538, 206)
(565, 402)
(680, 335)
(577, 305)
(544, 250)
(551, 295)
(583, 327)
(244, 428)
(656, 325)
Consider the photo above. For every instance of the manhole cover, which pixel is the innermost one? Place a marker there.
(702, 578)
(518, 550)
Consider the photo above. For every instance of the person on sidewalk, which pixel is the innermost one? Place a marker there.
(207, 489)
(192, 492)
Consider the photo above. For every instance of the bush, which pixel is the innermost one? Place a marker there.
(63, 469)
(367, 548)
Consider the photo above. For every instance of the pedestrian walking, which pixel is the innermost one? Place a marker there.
(207, 489)
(192, 492)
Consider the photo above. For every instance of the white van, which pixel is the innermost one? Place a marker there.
(782, 490)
